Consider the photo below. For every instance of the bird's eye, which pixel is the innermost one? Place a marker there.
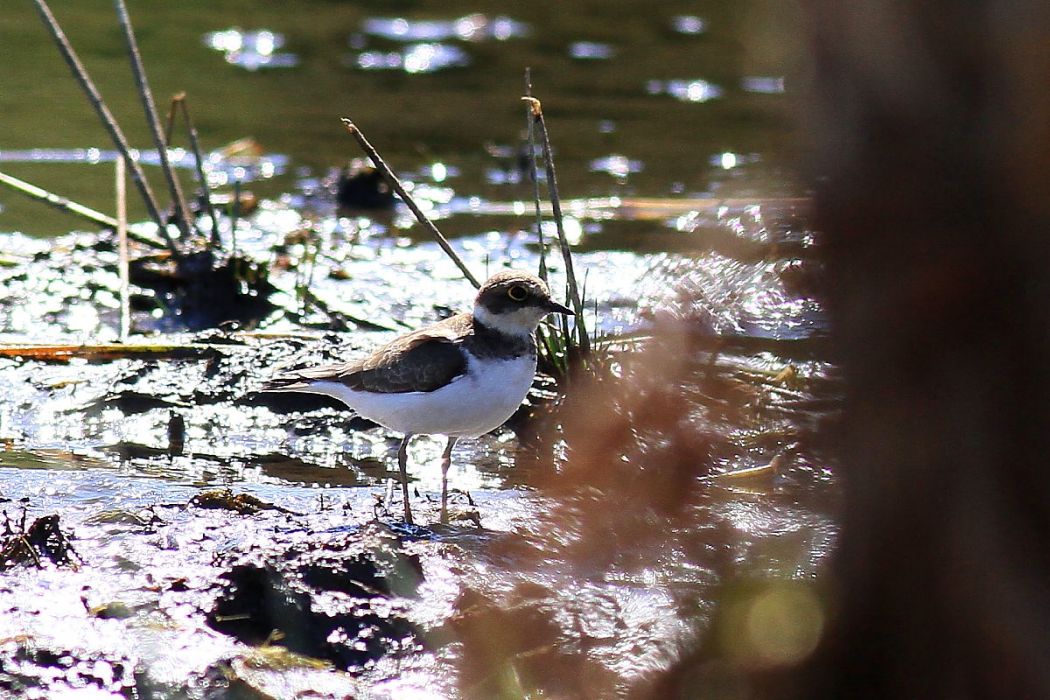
(517, 293)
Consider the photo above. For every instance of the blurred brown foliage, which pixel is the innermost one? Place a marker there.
(932, 139)
(633, 453)
(931, 129)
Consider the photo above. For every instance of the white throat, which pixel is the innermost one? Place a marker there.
(520, 322)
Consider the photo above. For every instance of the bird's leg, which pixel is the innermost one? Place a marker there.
(402, 463)
(446, 461)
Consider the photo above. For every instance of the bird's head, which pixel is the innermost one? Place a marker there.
(514, 303)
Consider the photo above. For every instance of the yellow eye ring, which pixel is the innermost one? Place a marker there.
(518, 293)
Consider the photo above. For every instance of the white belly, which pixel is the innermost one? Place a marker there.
(473, 404)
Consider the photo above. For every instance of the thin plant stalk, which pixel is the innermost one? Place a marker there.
(235, 213)
(583, 297)
(108, 121)
(541, 332)
(552, 186)
(122, 243)
(565, 327)
(182, 217)
(179, 102)
(169, 126)
(407, 199)
(534, 174)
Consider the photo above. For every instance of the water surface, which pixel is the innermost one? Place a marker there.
(574, 566)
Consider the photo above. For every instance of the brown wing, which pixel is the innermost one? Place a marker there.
(422, 361)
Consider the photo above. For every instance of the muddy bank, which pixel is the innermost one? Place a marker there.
(596, 581)
(587, 545)
(173, 598)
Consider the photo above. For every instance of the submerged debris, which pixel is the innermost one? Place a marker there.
(43, 540)
(243, 503)
(204, 292)
(361, 186)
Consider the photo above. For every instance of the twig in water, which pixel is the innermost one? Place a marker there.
(122, 242)
(182, 215)
(115, 132)
(552, 186)
(383, 168)
(179, 102)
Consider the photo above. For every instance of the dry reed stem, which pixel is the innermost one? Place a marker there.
(57, 201)
(409, 202)
(107, 352)
(534, 174)
(182, 216)
(235, 213)
(122, 241)
(71, 207)
(552, 187)
(541, 332)
(108, 121)
(179, 102)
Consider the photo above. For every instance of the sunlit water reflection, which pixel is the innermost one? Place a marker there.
(118, 448)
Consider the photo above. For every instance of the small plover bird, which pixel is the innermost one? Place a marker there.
(461, 377)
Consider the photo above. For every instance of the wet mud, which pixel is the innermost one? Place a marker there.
(169, 531)
(173, 532)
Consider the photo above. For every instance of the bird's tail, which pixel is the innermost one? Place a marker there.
(297, 379)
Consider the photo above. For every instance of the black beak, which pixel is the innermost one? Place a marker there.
(555, 307)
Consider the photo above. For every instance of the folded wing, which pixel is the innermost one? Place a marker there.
(417, 362)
